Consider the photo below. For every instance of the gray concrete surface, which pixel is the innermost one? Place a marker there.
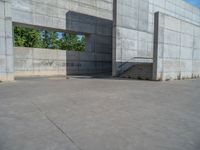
(6, 40)
(130, 42)
(91, 17)
(134, 31)
(99, 114)
(39, 62)
(176, 49)
(48, 62)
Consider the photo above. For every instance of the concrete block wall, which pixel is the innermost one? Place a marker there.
(58, 15)
(82, 63)
(6, 49)
(132, 41)
(52, 13)
(98, 55)
(133, 30)
(141, 71)
(91, 17)
(39, 62)
(133, 27)
(177, 48)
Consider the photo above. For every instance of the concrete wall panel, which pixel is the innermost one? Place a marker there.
(6, 48)
(39, 62)
(83, 63)
(176, 57)
(177, 35)
(93, 17)
(133, 30)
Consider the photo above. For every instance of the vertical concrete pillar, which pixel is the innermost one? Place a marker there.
(114, 63)
(155, 47)
(6, 42)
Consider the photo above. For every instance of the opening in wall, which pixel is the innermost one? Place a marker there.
(45, 51)
(40, 38)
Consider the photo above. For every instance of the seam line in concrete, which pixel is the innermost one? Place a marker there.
(55, 125)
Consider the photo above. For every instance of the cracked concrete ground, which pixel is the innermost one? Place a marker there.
(99, 114)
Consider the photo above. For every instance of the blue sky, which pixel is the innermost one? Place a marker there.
(194, 2)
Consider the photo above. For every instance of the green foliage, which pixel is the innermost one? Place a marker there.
(26, 37)
(72, 42)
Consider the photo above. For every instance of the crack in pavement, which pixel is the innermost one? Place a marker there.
(56, 126)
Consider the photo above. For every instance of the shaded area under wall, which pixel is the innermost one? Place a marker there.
(139, 70)
(98, 55)
(85, 63)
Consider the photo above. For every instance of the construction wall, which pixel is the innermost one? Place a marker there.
(52, 13)
(85, 63)
(133, 30)
(6, 40)
(48, 62)
(177, 48)
(91, 17)
(39, 62)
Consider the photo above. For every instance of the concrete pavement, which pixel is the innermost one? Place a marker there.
(99, 114)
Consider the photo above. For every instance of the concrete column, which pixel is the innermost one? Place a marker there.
(114, 63)
(6, 42)
(155, 46)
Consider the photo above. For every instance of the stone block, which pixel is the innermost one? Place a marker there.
(196, 54)
(187, 28)
(40, 54)
(23, 53)
(9, 64)
(2, 46)
(24, 17)
(23, 65)
(171, 37)
(3, 64)
(173, 23)
(171, 51)
(3, 76)
(8, 11)
(171, 65)
(186, 53)
(196, 42)
(171, 76)
(2, 8)
(52, 54)
(2, 27)
(8, 28)
(186, 40)
(186, 75)
(9, 46)
(62, 55)
(186, 65)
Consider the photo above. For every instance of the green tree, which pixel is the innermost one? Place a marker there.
(54, 41)
(19, 36)
(72, 42)
(45, 39)
(50, 40)
(27, 37)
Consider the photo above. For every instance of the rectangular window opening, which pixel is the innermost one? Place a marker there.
(42, 38)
